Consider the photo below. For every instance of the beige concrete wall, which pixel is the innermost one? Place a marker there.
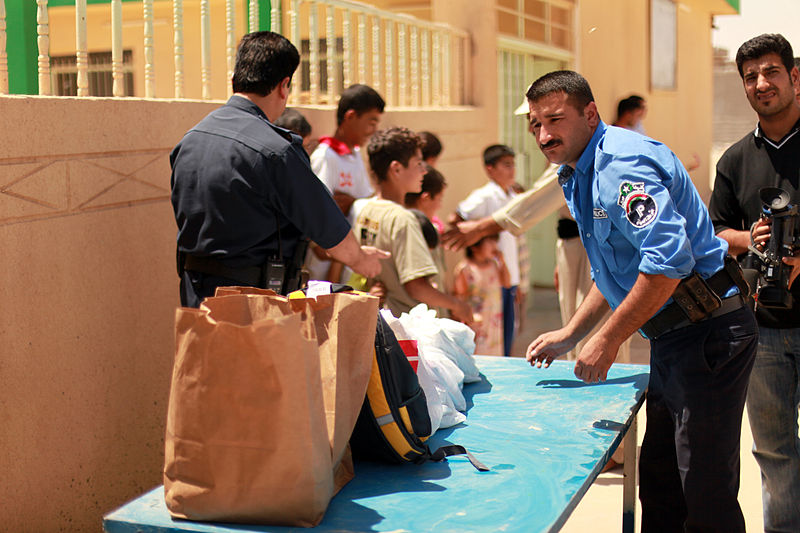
(89, 291)
(617, 67)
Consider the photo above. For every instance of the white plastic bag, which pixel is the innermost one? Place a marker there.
(435, 396)
(445, 360)
(453, 339)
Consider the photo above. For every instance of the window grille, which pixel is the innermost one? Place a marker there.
(64, 74)
(547, 22)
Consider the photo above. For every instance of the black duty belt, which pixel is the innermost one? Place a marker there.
(252, 275)
(695, 300)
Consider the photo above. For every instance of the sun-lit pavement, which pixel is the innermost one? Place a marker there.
(600, 510)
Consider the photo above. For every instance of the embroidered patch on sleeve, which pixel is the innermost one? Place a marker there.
(599, 212)
(640, 208)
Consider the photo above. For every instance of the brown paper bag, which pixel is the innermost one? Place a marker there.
(257, 426)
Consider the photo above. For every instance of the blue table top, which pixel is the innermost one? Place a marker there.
(544, 434)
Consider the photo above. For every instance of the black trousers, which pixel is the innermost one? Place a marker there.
(689, 462)
(195, 286)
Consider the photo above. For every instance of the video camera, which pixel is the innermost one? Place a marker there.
(765, 271)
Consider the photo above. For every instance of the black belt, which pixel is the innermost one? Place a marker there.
(673, 316)
(252, 275)
(667, 324)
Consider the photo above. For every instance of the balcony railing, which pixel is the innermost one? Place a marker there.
(412, 62)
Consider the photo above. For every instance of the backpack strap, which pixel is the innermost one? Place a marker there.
(456, 449)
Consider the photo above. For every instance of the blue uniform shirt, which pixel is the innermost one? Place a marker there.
(638, 211)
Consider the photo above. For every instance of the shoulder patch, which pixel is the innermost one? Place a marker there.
(640, 208)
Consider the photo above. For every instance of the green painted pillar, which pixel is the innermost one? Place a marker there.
(264, 8)
(21, 47)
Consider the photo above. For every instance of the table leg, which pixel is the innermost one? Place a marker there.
(629, 479)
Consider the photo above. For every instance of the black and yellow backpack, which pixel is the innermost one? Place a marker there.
(394, 423)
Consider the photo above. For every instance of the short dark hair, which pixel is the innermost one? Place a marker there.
(393, 144)
(431, 145)
(429, 232)
(493, 153)
(766, 43)
(470, 251)
(631, 103)
(263, 60)
(293, 120)
(433, 183)
(562, 81)
(360, 98)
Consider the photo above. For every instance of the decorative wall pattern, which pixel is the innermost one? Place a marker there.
(63, 185)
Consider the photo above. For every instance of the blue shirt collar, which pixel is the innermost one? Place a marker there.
(586, 159)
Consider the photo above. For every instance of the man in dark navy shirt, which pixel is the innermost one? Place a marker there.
(768, 157)
(244, 195)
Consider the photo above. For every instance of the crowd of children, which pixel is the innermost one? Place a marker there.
(401, 216)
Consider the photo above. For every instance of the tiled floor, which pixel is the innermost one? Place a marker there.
(600, 511)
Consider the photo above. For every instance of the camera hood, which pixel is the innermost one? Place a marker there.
(774, 198)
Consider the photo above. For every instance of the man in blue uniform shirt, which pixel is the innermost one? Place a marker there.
(244, 195)
(657, 263)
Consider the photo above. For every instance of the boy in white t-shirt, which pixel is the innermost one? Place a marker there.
(338, 164)
(396, 161)
(498, 161)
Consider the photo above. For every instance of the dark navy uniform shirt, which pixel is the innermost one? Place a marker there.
(747, 166)
(236, 178)
(638, 211)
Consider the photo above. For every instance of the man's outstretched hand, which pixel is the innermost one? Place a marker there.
(468, 232)
(548, 346)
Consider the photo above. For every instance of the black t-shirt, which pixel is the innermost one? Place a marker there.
(747, 166)
(237, 178)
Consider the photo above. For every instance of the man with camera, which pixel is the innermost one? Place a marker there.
(761, 227)
(245, 198)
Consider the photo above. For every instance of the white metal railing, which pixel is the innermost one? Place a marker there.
(412, 62)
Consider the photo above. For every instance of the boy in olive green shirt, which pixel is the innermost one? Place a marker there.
(396, 160)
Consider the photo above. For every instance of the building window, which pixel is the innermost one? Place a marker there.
(64, 72)
(663, 44)
(548, 22)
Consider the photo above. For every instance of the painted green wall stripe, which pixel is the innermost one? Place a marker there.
(264, 7)
(21, 47)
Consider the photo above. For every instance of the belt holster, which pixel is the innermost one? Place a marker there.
(695, 297)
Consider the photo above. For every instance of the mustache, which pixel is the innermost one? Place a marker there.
(550, 144)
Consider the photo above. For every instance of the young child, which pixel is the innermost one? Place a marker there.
(478, 281)
(431, 148)
(499, 165)
(294, 121)
(383, 221)
(428, 201)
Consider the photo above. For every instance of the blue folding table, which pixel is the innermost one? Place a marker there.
(544, 434)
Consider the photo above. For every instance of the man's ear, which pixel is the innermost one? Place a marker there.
(592, 115)
(284, 87)
(794, 75)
